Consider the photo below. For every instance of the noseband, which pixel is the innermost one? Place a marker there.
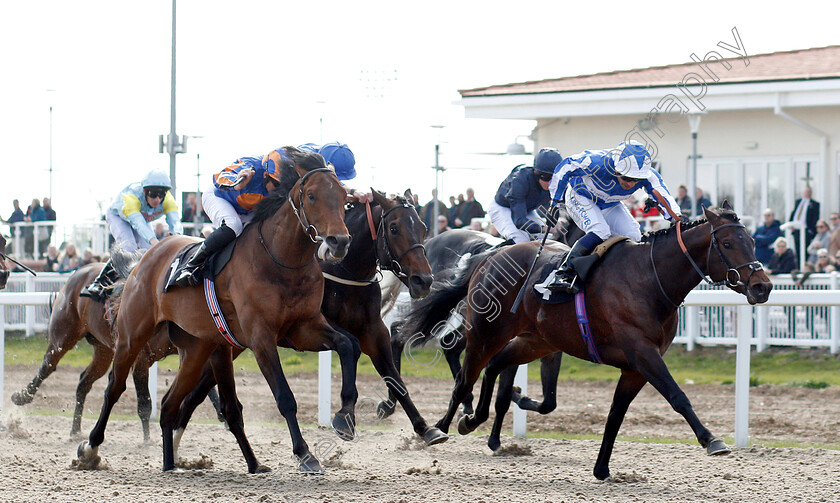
(301, 213)
(386, 258)
(754, 265)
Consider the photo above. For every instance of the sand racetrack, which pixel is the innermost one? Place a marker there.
(388, 464)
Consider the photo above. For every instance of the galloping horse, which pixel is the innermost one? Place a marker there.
(632, 299)
(73, 318)
(270, 290)
(390, 236)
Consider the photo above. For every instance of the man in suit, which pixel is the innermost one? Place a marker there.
(806, 211)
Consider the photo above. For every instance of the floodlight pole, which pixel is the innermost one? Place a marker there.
(173, 138)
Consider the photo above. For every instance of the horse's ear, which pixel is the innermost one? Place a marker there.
(380, 198)
(725, 205)
(708, 211)
(408, 195)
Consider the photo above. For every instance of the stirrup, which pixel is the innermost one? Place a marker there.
(565, 283)
(188, 276)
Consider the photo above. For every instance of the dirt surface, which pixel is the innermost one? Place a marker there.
(388, 464)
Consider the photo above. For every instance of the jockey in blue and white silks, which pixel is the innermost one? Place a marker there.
(128, 220)
(593, 185)
(237, 189)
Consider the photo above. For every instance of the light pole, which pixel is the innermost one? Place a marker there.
(694, 124)
(438, 169)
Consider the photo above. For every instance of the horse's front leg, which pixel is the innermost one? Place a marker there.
(319, 335)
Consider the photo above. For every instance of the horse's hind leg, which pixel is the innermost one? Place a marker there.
(549, 373)
(60, 342)
(141, 388)
(629, 385)
(99, 364)
(222, 363)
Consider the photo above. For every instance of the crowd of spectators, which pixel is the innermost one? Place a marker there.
(464, 211)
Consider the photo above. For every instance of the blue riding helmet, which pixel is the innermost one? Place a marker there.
(547, 159)
(342, 159)
(157, 178)
(632, 160)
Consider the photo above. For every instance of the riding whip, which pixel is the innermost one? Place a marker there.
(531, 270)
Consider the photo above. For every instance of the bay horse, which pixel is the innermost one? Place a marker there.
(270, 289)
(390, 237)
(73, 318)
(632, 301)
(4, 268)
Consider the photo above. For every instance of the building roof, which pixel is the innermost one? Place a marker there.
(804, 64)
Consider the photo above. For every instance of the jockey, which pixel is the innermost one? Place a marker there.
(238, 188)
(513, 210)
(129, 220)
(593, 185)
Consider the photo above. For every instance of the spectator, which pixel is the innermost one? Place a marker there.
(453, 209)
(468, 210)
(69, 259)
(822, 265)
(806, 212)
(834, 221)
(52, 259)
(702, 201)
(475, 224)
(443, 224)
(783, 259)
(35, 213)
(820, 241)
(427, 213)
(49, 212)
(683, 200)
(765, 237)
(87, 257)
(17, 215)
(834, 242)
(160, 230)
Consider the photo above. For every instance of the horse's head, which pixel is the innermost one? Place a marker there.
(732, 256)
(318, 200)
(4, 268)
(400, 247)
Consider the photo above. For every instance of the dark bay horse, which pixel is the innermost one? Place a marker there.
(271, 289)
(74, 318)
(446, 252)
(632, 300)
(393, 240)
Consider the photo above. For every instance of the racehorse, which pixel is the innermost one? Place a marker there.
(632, 300)
(73, 318)
(269, 290)
(390, 236)
(4, 268)
(446, 252)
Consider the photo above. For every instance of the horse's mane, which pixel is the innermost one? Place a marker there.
(649, 236)
(306, 161)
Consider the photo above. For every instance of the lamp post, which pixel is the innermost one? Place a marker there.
(694, 124)
(438, 169)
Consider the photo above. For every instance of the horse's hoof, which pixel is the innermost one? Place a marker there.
(463, 428)
(21, 398)
(494, 443)
(261, 469)
(343, 428)
(310, 466)
(717, 448)
(434, 436)
(384, 409)
(87, 457)
(601, 473)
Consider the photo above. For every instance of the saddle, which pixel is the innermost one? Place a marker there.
(212, 266)
(582, 265)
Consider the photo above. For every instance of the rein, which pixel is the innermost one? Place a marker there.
(393, 264)
(281, 264)
(10, 259)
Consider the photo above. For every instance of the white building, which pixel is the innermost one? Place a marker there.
(770, 123)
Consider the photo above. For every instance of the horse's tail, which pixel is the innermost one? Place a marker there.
(123, 262)
(421, 324)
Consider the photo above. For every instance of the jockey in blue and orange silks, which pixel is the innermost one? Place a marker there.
(593, 185)
(237, 189)
(129, 220)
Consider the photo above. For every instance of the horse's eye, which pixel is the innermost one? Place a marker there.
(726, 244)
(394, 229)
(310, 196)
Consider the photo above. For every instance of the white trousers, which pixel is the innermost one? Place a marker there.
(502, 220)
(613, 221)
(124, 233)
(220, 210)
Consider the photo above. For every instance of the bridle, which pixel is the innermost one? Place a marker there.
(5, 257)
(384, 251)
(728, 281)
(301, 213)
(754, 265)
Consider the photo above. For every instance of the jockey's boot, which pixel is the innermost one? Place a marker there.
(99, 289)
(217, 240)
(566, 278)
